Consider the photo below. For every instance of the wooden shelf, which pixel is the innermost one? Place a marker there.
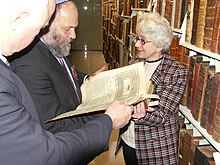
(202, 51)
(186, 112)
(140, 9)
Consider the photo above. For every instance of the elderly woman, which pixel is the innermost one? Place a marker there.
(152, 135)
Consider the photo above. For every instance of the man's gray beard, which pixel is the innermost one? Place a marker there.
(61, 50)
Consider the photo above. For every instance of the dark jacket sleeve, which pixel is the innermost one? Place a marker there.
(23, 141)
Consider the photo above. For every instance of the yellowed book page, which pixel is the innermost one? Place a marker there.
(127, 84)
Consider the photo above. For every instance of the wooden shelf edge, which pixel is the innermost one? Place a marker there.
(186, 112)
(202, 51)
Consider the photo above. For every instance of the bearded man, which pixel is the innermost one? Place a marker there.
(46, 71)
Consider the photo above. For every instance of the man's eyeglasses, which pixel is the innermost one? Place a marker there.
(142, 41)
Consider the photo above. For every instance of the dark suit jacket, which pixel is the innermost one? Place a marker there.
(24, 142)
(49, 85)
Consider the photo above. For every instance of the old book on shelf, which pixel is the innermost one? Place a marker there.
(214, 103)
(189, 21)
(195, 21)
(193, 60)
(216, 128)
(168, 10)
(200, 92)
(204, 154)
(201, 23)
(186, 63)
(185, 144)
(195, 84)
(216, 119)
(215, 47)
(209, 24)
(159, 6)
(174, 46)
(207, 98)
(127, 84)
(178, 8)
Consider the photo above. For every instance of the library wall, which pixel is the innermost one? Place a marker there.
(196, 44)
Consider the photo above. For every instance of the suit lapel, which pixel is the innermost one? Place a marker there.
(51, 60)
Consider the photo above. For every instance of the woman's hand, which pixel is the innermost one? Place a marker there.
(140, 110)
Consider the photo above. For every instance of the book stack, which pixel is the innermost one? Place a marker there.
(185, 145)
(196, 141)
(204, 154)
(200, 91)
(195, 74)
(215, 47)
(189, 22)
(134, 24)
(159, 6)
(216, 119)
(201, 23)
(195, 21)
(186, 63)
(213, 104)
(193, 60)
(136, 4)
(119, 29)
(168, 10)
(174, 46)
(209, 24)
(178, 12)
(207, 98)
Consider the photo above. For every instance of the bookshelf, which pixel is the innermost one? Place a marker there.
(119, 27)
(186, 112)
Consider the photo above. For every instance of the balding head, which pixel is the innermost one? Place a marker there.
(21, 22)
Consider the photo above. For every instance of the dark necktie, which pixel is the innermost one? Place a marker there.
(62, 63)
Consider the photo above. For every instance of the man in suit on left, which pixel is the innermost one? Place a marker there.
(46, 71)
(23, 141)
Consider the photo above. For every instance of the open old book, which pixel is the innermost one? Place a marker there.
(127, 84)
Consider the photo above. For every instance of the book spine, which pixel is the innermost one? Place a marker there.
(201, 23)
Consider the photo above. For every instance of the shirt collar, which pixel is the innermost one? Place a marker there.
(3, 59)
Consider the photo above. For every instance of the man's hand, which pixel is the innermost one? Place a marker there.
(119, 113)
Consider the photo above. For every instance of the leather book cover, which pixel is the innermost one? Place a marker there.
(195, 21)
(207, 99)
(159, 6)
(209, 24)
(174, 46)
(177, 14)
(214, 103)
(135, 4)
(215, 47)
(124, 8)
(189, 21)
(216, 119)
(200, 92)
(186, 63)
(134, 24)
(193, 60)
(201, 23)
(204, 154)
(216, 128)
(168, 10)
(186, 138)
(180, 53)
(194, 88)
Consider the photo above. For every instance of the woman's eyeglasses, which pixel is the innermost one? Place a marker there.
(142, 41)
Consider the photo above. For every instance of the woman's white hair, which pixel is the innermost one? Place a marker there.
(157, 28)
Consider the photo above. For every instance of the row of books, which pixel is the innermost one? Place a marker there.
(202, 93)
(203, 24)
(193, 148)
